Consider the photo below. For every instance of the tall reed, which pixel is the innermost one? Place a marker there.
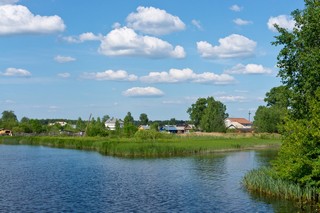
(263, 180)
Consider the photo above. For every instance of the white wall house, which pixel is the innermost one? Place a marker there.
(237, 123)
(111, 123)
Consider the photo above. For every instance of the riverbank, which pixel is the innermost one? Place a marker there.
(165, 147)
(264, 181)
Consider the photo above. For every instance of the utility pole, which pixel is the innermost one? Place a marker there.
(85, 133)
(249, 115)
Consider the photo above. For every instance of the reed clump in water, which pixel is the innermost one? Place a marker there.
(265, 181)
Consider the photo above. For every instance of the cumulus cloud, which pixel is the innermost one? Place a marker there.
(231, 98)
(241, 22)
(233, 46)
(3, 2)
(249, 69)
(197, 24)
(110, 75)
(154, 21)
(88, 36)
(126, 42)
(236, 8)
(17, 19)
(282, 21)
(143, 92)
(64, 75)
(186, 75)
(15, 72)
(63, 59)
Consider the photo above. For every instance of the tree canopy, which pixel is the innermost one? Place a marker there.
(299, 63)
(208, 114)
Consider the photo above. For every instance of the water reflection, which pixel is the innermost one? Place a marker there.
(38, 179)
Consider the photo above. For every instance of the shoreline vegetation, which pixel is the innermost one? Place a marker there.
(264, 181)
(165, 145)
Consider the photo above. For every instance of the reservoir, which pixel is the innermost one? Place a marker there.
(42, 179)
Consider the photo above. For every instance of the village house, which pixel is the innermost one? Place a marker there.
(111, 123)
(144, 127)
(240, 124)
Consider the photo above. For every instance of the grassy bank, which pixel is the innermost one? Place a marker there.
(264, 181)
(164, 147)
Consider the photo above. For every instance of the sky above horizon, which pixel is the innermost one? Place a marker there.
(68, 59)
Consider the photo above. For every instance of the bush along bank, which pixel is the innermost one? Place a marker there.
(265, 181)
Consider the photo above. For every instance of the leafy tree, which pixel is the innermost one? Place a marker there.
(155, 126)
(105, 118)
(196, 111)
(144, 119)
(128, 125)
(208, 114)
(173, 121)
(9, 120)
(268, 119)
(213, 116)
(80, 125)
(278, 96)
(299, 63)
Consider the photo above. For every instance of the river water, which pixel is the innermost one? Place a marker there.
(42, 179)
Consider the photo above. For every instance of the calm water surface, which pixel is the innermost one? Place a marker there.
(41, 179)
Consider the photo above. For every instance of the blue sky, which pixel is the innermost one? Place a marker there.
(67, 59)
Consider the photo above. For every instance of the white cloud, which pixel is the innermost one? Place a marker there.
(236, 8)
(154, 21)
(186, 75)
(231, 98)
(282, 21)
(14, 72)
(17, 19)
(233, 46)
(110, 75)
(126, 42)
(249, 69)
(241, 22)
(88, 36)
(63, 59)
(197, 24)
(143, 92)
(64, 75)
(4, 2)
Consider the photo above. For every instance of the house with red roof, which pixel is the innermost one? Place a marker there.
(240, 124)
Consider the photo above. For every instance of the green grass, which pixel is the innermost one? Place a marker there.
(264, 181)
(163, 147)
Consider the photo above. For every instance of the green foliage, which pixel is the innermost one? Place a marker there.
(208, 114)
(299, 63)
(265, 181)
(196, 111)
(143, 135)
(129, 128)
(278, 97)
(269, 119)
(8, 120)
(144, 119)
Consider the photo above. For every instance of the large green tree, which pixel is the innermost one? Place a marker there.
(299, 63)
(8, 120)
(208, 115)
(269, 118)
(128, 125)
(144, 119)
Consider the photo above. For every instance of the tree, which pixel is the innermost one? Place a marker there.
(208, 114)
(213, 116)
(172, 121)
(196, 111)
(144, 119)
(128, 125)
(299, 63)
(9, 119)
(105, 118)
(278, 96)
(268, 119)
